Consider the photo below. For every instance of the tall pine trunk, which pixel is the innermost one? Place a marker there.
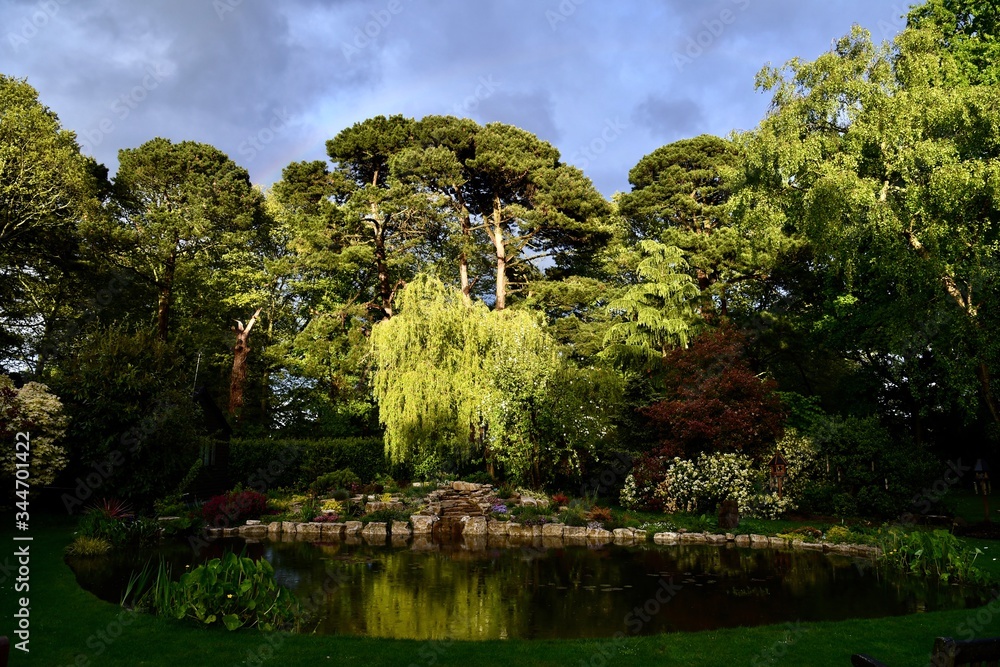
(497, 237)
(166, 297)
(238, 377)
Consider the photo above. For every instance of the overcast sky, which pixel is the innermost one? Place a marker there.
(270, 82)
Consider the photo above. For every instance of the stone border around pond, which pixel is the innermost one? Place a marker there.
(754, 541)
(551, 534)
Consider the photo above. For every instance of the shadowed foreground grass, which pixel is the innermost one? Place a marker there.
(71, 627)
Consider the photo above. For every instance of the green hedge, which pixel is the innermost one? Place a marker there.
(263, 464)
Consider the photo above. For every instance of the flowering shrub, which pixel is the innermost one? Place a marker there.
(559, 499)
(629, 497)
(334, 506)
(234, 507)
(499, 508)
(699, 485)
(327, 517)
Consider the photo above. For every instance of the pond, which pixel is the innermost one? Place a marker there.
(572, 592)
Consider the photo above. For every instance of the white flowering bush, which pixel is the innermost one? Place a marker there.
(629, 497)
(692, 486)
(701, 484)
(36, 411)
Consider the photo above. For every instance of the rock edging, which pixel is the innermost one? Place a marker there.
(765, 542)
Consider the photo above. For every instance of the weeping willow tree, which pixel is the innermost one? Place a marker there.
(454, 379)
(654, 315)
(428, 372)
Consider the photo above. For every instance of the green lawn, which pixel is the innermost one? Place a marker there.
(70, 626)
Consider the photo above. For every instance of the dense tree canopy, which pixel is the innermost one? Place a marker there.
(463, 293)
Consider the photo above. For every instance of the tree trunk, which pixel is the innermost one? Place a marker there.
(166, 298)
(463, 259)
(501, 279)
(463, 275)
(983, 373)
(384, 288)
(241, 350)
(497, 237)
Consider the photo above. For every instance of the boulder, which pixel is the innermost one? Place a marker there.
(332, 531)
(400, 529)
(310, 531)
(253, 531)
(516, 531)
(352, 528)
(777, 542)
(623, 535)
(599, 535)
(715, 539)
(497, 528)
(552, 530)
(759, 541)
(742, 540)
(288, 527)
(374, 533)
(666, 538)
(422, 525)
(693, 538)
(640, 535)
(476, 525)
(274, 528)
(465, 486)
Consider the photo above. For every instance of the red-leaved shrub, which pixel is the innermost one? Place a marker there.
(714, 401)
(234, 508)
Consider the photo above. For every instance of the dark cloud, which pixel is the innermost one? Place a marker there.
(668, 119)
(269, 82)
(532, 111)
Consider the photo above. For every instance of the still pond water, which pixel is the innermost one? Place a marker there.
(570, 592)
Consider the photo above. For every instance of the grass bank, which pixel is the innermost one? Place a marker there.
(71, 627)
